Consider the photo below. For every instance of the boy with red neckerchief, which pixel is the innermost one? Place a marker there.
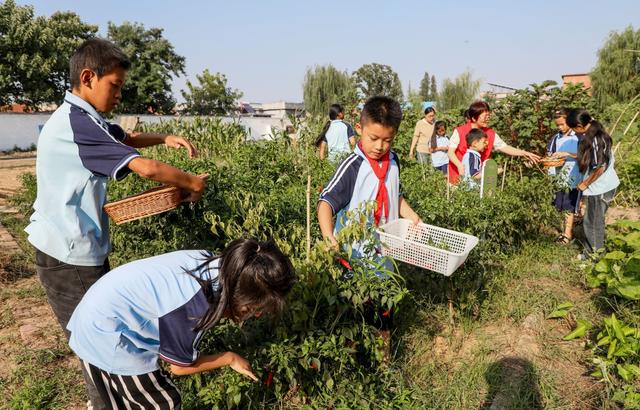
(370, 173)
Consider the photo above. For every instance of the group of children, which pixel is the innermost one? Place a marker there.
(121, 322)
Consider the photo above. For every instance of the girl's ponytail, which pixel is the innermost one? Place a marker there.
(595, 146)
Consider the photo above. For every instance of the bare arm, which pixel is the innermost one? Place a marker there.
(216, 361)
(407, 212)
(414, 141)
(323, 150)
(168, 175)
(591, 178)
(148, 139)
(516, 152)
(325, 220)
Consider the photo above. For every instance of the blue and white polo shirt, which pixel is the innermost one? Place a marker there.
(472, 163)
(337, 138)
(77, 152)
(355, 183)
(569, 172)
(143, 311)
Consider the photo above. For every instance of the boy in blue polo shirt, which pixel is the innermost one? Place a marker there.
(78, 151)
(472, 161)
(370, 173)
(337, 137)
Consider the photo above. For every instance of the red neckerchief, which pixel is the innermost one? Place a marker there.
(380, 169)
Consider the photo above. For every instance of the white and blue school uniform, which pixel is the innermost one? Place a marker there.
(440, 159)
(142, 311)
(569, 171)
(355, 183)
(337, 139)
(609, 180)
(472, 163)
(78, 151)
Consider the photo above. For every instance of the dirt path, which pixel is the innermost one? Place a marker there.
(11, 167)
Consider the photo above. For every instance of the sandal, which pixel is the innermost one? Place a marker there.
(563, 239)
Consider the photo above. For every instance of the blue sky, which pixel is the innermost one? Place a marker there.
(264, 47)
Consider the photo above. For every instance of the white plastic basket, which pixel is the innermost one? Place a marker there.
(421, 244)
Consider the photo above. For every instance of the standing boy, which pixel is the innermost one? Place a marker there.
(370, 173)
(472, 160)
(78, 151)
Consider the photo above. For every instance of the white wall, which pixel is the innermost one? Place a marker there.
(21, 130)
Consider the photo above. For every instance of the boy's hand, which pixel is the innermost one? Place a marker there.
(176, 141)
(242, 366)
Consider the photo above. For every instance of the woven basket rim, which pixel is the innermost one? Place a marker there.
(136, 197)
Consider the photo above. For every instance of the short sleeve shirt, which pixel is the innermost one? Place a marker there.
(569, 171)
(440, 158)
(78, 151)
(608, 180)
(472, 163)
(143, 311)
(355, 183)
(337, 138)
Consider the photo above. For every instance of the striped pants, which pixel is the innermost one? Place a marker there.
(145, 391)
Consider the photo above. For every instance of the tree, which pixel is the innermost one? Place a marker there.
(425, 87)
(211, 97)
(326, 85)
(35, 52)
(616, 77)
(378, 79)
(434, 89)
(458, 93)
(153, 63)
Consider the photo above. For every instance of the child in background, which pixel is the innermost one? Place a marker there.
(565, 145)
(472, 160)
(160, 307)
(78, 153)
(337, 136)
(439, 148)
(596, 163)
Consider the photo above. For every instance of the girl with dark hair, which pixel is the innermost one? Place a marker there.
(596, 162)
(479, 114)
(422, 135)
(439, 147)
(564, 145)
(160, 307)
(337, 136)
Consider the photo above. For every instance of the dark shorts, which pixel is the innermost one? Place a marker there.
(66, 284)
(443, 168)
(567, 201)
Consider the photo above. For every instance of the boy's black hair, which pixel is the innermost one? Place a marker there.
(97, 55)
(474, 135)
(561, 113)
(382, 110)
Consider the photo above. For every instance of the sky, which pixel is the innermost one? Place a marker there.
(265, 47)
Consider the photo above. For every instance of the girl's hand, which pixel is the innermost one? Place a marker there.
(242, 366)
(460, 169)
(176, 141)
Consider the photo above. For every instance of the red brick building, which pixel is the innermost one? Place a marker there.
(584, 79)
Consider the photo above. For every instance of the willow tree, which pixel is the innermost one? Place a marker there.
(616, 77)
(459, 92)
(326, 85)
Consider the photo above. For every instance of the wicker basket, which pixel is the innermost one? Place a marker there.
(150, 202)
(549, 162)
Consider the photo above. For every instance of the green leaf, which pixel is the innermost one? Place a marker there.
(560, 311)
(624, 373)
(615, 256)
(581, 328)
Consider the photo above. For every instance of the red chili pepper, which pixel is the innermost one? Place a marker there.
(344, 263)
(314, 366)
(386, 313)
(269, 379)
